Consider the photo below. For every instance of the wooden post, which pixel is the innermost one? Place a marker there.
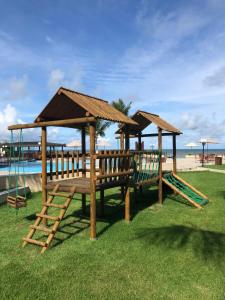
(56, 165)
(101, 172)
(122, 141)
(72, 163)
(44, 166)
(127, 141)
(174, 154)
(92, 184)
(139, 141)
(83, 149)
(127, 189)
(160, 164)
(62, 165)
(122, 148)
(127, 204)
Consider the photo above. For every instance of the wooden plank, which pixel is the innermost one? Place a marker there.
(73, 164)
(68, 164)
(62, 164)
(92, 184)
(57, 165)
(41, 228)
(53, 123)
(77, 164)
(51, 165)
(115, 154)
(83, 149)
(44, 163)
(127, 204)
(174, 154)
(54, 218)
(116, 174)
(32, 241)
(55, 205)
(127, 141)
(160, 195)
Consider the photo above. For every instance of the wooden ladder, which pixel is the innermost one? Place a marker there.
(43, 215)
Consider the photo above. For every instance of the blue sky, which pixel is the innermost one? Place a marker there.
(165, 56)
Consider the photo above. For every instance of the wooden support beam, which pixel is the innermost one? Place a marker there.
(92, 183)
(83, 152)
(102, 203)
(160, 165)
(53, 123)
(127, 204)
(127, 141)
(44, 165)
(139, 142)
(134, 136)
(174, 154)
(122, 141)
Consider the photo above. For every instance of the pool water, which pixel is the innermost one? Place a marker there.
(35, 167)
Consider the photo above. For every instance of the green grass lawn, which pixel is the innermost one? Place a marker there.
(218, 167)
(170, 252)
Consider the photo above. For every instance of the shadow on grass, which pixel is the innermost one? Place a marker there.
(207, 245)
(74, 224)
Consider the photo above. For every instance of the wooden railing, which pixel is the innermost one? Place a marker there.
(113, 165)
(67, 164)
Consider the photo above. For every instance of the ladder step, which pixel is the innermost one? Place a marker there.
(31, 241)
(11, 198)
(55, 205)
(48, 217)
(41, 228)
(21, 198)
(55, 194)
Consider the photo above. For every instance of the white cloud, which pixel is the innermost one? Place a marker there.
(202, 126)
(53, 133)
(8, 116)
(49, 39)
(72, 78)
(56, 78)
(14, 88)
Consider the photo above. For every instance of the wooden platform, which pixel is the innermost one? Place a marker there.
(83, 184)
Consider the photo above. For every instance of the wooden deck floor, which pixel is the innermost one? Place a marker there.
(83, 184)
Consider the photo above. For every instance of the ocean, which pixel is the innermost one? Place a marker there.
(182, 152)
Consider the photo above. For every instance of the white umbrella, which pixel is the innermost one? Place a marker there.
(103, 143)
(74, 143)
(206, 141)
(191, 145)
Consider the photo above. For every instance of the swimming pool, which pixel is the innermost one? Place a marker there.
(35, 167)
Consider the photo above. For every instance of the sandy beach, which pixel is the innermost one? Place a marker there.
(186, 164)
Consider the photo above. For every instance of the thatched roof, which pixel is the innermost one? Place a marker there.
(144, 119)
(68, 104)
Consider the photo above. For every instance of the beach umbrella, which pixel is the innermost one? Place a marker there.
(103, 143)
(206, 142)
(74, 143)
(191, 145)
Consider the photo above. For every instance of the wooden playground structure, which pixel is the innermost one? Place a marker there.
(122, 168)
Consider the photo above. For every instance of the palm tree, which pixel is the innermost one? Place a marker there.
(122, 106)
(100, 128)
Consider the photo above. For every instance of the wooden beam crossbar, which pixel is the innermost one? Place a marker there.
(53, 123)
